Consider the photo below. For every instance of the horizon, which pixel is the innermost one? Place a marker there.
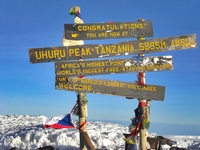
(164, 129)
(27, 88)
(24, 132)
(160, 128)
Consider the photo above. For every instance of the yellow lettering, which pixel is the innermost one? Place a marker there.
(113, 49)
(125, 33)
(154, 89)
(93, 71)
(131, 47)
(116, 63)
(74, 35)
(103, 50)
(71, 52)
(141, 68)
(97, 64)
(141, 45)
(177, 42)
(125, 48)
(108, 50)
(62, 79)
(121, 27)
(112, 70)
(76, 86)
(159, 67)
(38, 55)
(114, 33)
(119, 49)
(79, 28)
(146, 44)
(83, 52)
(163, 44)
(77, 52)
(103, 34)
(66, 72)
(129, 68)
(50, 54)
(132, 86)
(152, 45)
(74, 80)
(157, 45)
(63, 66)
(61, 85)
(172, 43)
(91, 34)
(45, 54)
(142, 25)
(180, 42)
(88, 52)
(125, 26)
(73, 65)
(98, 27)
(97, 49)
(146, 88)
(103, 27)
(115, 27)
(91, 81)
(107, 27)
(79, 87)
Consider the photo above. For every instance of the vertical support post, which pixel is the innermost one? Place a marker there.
(85, 142)
(82, 117)
(142, 104)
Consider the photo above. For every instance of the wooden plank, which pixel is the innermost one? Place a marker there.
(52, 54)
(110, 87)
(111, 30)
(110, 66)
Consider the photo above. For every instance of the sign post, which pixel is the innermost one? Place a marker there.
(142, 106)
(73, 49)
(85, 143)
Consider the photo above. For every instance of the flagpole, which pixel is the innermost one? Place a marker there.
(142, 105)
(82, 117)
(85, 141)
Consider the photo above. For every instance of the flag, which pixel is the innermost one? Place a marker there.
(59, 122)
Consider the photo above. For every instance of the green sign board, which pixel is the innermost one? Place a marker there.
(110, 66)
(110, 87)
(111, 30)
(52, 54)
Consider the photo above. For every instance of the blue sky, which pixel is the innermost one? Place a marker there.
(29, 88)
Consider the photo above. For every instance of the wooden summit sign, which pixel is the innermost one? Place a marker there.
(49, 54)
(109, 66)
(108, 30)
(110, 87)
